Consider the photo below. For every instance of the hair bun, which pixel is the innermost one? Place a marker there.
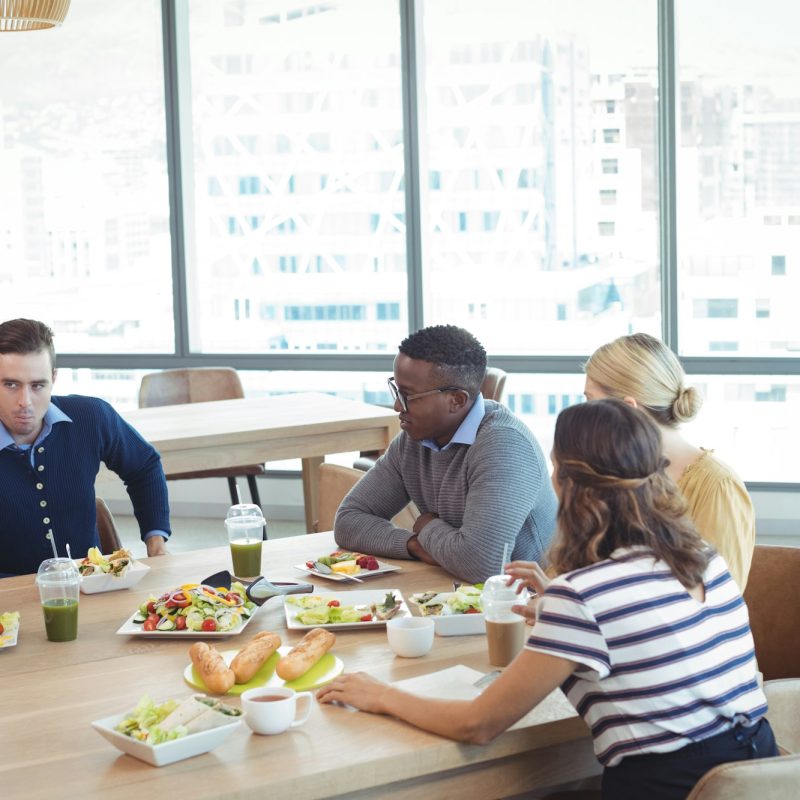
(687, 404)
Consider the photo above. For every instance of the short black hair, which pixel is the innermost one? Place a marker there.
(25, 336)
(459, 357)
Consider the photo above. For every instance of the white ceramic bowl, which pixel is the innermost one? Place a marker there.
(410, 637)
(169, 752)
(92, 584)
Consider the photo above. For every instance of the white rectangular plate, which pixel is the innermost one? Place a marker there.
(457, 624)
(130, 628)
(383, 567)
(347, 598)
(169, 752)
(93, 584)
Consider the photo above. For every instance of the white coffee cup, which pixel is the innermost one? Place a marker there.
(410, 637)
(274, 709)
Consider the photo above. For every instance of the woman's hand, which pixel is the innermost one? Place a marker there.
(356, 689)
(531, 575)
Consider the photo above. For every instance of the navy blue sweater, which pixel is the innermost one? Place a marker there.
(58, 490)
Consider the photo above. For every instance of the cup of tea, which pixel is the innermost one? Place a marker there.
(505, 630)
(273, 710)
(410, 637)
(245, 526)
(59, 585)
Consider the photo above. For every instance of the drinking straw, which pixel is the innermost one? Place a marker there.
(505, 559)
(52, 541)
(238, 496)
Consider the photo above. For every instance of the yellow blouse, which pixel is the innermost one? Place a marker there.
(722, 511)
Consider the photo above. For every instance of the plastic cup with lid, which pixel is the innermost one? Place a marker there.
(59, 585)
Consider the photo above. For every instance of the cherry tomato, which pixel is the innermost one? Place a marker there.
(180, 623)
(149, 624)
(366, 618)
(233, 597)
(334, 604)
(472, 610)
(151, 607)
(209, 624)
(1, 627)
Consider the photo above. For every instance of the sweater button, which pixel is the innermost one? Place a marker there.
(40, 486)
(40, 449)
(46, 520)
(40, 468)
(43, 503)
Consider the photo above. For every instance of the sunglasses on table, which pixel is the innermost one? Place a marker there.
(403, 398)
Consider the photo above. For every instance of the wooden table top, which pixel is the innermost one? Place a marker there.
(52, 691)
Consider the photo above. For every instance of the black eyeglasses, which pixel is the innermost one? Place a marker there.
(403, 398)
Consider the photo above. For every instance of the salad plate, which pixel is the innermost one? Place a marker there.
(324, 671)
(10, 623)
(159, 755)
(192, 611)
(308, 611)
(383, 568)
(457, 613)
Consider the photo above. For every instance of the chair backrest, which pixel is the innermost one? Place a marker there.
(759, 779)
(172, 387)
(334, 484)
(493, 384)
(783, 697)
(106, 529)
(772, 595)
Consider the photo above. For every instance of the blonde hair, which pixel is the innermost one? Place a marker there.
(644, 368)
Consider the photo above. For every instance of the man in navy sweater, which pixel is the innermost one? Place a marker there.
(50, 452)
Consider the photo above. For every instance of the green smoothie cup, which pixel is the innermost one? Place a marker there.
(245, 525)
(59, 585)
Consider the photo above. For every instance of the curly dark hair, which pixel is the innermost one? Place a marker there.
(24, 336)
(614, 492)
(459, 358)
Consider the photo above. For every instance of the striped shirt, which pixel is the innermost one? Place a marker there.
(657, 670)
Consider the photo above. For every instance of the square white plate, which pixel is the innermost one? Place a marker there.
(93, 584)
(346, 598)
(383, 568)
(456, 624)
(169, 752)
(131, 628)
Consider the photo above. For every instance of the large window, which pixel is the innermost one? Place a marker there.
(299, 220)
(289, 187)
(84, 204)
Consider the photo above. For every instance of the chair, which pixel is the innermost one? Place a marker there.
(761, 779)
(199, 385)
(772, 595)
(492, 389)
(784, 712)
(106, 529)
(334, 483)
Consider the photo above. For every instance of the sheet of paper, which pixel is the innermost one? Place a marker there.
(453, 683)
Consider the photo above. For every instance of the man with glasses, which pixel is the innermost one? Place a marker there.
(474, 470)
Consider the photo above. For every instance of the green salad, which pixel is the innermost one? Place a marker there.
(143, 722)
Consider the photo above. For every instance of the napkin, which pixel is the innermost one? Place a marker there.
(453, 683)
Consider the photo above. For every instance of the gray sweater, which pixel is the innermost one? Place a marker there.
(493, 491)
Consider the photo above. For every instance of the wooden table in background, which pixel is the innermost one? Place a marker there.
(52, 691)
(226, 433)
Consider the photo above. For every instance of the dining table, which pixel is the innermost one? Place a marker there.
(52, 691)
(255, 430)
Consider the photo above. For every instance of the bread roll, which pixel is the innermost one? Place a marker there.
(301, 658)
(211, 667)
(252, 656)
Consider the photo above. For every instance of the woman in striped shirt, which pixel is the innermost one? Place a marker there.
(644, 629)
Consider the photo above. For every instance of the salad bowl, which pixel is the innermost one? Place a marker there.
(453, 613)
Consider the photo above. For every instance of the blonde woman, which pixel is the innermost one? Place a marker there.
(646, 374)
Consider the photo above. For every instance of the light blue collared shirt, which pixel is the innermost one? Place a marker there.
(52, 416)
(467, 430)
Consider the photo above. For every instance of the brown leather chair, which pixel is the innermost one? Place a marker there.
(334, 484)
(199, 385)
(492, 389)
(759, 779)
(783, 697)
(772, 595)
(106, 529)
